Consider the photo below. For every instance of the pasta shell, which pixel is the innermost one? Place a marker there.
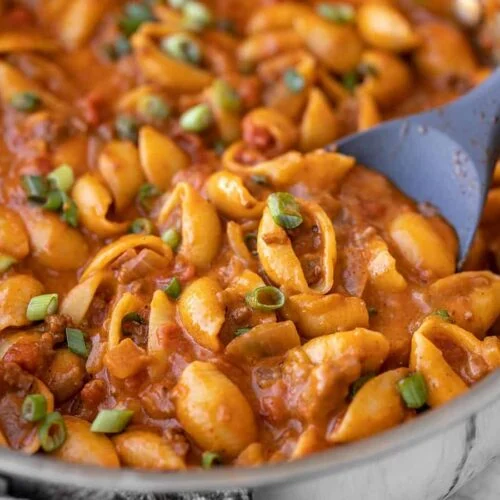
(264, 340)
(82, 446)
(201, 312)
(120, 166)
(199, 219)
(369, 347)
(203, 395)
(278, 257)
(53, 243)
(146, 450)
(384, 27)
(337, 46)
(230, 196)
(110, 252)
(320, 315)
(160, 157)
(377, 406)
(93, 201)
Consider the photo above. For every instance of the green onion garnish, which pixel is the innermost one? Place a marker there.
(153, 107)
(340, 13)
(69, 211)
(54, 201)
(265, 298)
(111, 421)
(6, 261)
(146, 193)
(135, 15)
(360, 382)
(36, 187)
(173, 288)
(226, 97)
(285, 210)
(242, 331)
(372, 311)
(350, 80)
(26, 101)
(196, 119)
(62, 178)
(41, 306)
(141, 226)
(52, 432)
(210, 459)
(127, 128)
(444, 315)
(182, 47)
(294, 80)
(196, 16)
(413, 390)
(34, 407)
(76, 342)
(172, 238)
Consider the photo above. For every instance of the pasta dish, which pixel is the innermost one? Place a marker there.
(190, 274)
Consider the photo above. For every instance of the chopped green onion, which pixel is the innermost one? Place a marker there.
(350, 80)
(197, 118)
(360, 382)
(76, 342)
(54, 201)
(141, 226)
(196, 16)
(62, 178)
(173, 288)
(34, 407)
(372, 311)
(134, 317)
(340, 13)
(265, 298)
(251, 242)
(182, 47)
(52, 432)
(6, 261)
(259, 179)
(146, 193)
(413, 390)
(127, 128)
(69, 211)
(444, 315)
(153, 107)
(294, 80)
(135, 15)
(111, 421)
(41, 306)
(210, 459)
(26, 101)
(242, 331)
(36, 187)
(285, 210)
(226, 97)
(172, 238)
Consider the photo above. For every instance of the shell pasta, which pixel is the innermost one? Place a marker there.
(190, 274)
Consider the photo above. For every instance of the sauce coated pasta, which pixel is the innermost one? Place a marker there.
(188, 277)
